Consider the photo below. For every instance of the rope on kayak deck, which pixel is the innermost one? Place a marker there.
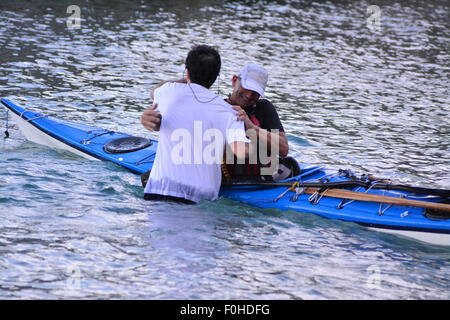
(39, 116)
(144, 160)
(318, 195)
(299, 188)
(88, 140)
(287, 190)
(345, 202)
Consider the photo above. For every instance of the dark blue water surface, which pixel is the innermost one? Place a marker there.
(351, 94)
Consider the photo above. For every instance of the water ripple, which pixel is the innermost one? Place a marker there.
(372, 101)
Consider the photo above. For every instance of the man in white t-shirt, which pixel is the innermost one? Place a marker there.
(196, 127)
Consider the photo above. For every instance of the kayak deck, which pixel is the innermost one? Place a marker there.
(89, 142)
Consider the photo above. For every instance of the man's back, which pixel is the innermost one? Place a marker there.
(195, 127)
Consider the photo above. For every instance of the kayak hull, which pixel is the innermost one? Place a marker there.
(88, 142)
(36, 135)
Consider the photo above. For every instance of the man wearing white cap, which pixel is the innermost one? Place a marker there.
(258, 114)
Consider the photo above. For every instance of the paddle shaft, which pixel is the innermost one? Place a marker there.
(352, 195)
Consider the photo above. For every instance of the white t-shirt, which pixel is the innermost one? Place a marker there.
(196, 124)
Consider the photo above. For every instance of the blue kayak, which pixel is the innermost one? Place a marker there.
(405, 211)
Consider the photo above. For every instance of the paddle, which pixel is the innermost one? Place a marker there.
(352, 195)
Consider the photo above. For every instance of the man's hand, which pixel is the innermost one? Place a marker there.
(242, 115)
(151, 119)
(266, 136)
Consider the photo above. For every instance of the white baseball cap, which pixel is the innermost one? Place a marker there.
(254, 78)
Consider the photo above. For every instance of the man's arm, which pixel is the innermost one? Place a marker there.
(240, 149)
(265, 136)
(152, 94)
(151, 119)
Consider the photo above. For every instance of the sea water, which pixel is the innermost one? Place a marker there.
(356, 86)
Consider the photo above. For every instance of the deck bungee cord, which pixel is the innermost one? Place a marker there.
(444, 193)
(338, 190)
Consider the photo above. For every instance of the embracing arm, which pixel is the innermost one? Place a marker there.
(240, 149)
(267, 137)
(182, 80)
(151, 119)
(278, 139)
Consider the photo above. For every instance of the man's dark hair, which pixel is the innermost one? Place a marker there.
(203, 63)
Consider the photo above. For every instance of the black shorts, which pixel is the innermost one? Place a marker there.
(154, 196)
